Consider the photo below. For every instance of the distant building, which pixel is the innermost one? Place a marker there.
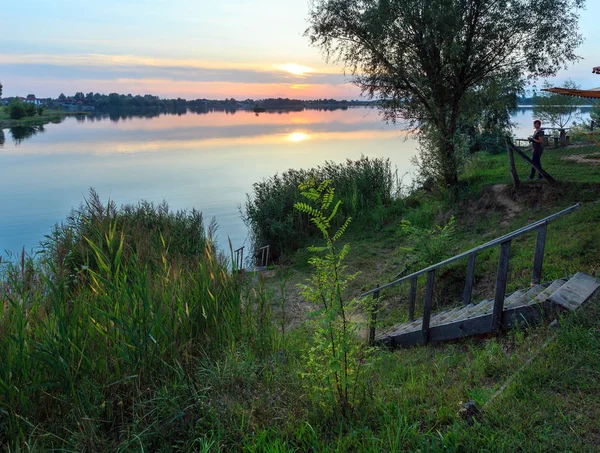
(31, 99)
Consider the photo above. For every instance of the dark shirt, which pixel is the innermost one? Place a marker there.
(538, 147)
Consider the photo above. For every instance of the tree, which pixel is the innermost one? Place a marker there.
(17, 109)
(40, 110)
(556, 109)
(30, 109)
(62, 97)
(0, 89)
(425, 59)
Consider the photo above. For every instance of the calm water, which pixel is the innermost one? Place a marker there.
(205, 161)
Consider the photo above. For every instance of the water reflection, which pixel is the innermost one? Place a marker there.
(20, 133)
(197, 160)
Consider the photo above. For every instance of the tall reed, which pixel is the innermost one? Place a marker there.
(363, 185)
(118, 310)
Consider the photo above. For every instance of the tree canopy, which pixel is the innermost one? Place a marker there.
(428, 59)
(556, 109)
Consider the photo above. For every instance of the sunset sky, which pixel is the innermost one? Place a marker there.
(187, 48)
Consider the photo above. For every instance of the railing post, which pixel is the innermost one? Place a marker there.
(501, 279)
(413, 298)
(513, 168)
(373, 316)
(538, 258)
(427, 307)
(469, 280)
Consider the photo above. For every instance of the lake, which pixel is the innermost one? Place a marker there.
(206, 161)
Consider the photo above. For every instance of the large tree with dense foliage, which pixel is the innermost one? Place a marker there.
(426, 59)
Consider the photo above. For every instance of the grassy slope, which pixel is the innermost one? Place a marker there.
(552, 405)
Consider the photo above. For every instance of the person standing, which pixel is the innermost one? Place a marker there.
(537, 140)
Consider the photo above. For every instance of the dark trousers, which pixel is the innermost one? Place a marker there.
(537, 159)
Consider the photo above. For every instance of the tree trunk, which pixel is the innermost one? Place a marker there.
(447, 154)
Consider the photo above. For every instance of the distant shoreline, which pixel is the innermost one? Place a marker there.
(53, 116)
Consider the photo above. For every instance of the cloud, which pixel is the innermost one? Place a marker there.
(48, 75)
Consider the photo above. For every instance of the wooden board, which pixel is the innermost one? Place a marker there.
(575, 292)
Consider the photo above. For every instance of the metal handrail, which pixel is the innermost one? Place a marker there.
(487, 245)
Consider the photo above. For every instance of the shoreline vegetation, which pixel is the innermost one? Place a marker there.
(130, 330)
(49, 116)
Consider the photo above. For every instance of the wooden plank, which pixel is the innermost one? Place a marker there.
(413, 298)
(554, 286)
(538, 259)
(501, 279)
(404, 340)
(427, 307)
(474, 326)
(513, 168)
(575, 292)
(468, 291)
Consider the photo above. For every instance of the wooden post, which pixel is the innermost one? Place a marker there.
(513, 168)
(413, 298)
(469, 280)
(373, 316)
(427, 307)
(538, 258)
(501, 279)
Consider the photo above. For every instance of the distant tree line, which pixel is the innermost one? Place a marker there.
(114, 101)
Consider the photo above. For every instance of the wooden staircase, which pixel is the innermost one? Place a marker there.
(520, 307)
(490, 315)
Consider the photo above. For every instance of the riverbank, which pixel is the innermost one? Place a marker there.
(49, 116)
(143, 339)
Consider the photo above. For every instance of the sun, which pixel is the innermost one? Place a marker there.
(295, 69)
(296, 137)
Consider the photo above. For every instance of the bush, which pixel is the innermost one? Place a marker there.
(30, 109)
(17, 109)
(40, 110)
(362, 185)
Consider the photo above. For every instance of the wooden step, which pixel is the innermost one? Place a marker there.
(522, 305)
(525, 297)
(544, 295)
(575, 292)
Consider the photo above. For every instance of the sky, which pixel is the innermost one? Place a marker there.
(188, 48)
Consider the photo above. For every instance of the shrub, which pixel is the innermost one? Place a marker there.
(362, 185)
(17, 109)
(30, 109)
(428, 246)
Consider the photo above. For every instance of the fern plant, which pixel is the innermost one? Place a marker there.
(337, 360)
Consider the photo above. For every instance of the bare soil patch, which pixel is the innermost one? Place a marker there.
(590, 159)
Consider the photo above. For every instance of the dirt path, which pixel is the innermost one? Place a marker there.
(589, 159)
(502, 198)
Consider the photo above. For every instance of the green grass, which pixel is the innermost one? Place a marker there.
(154, 346)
